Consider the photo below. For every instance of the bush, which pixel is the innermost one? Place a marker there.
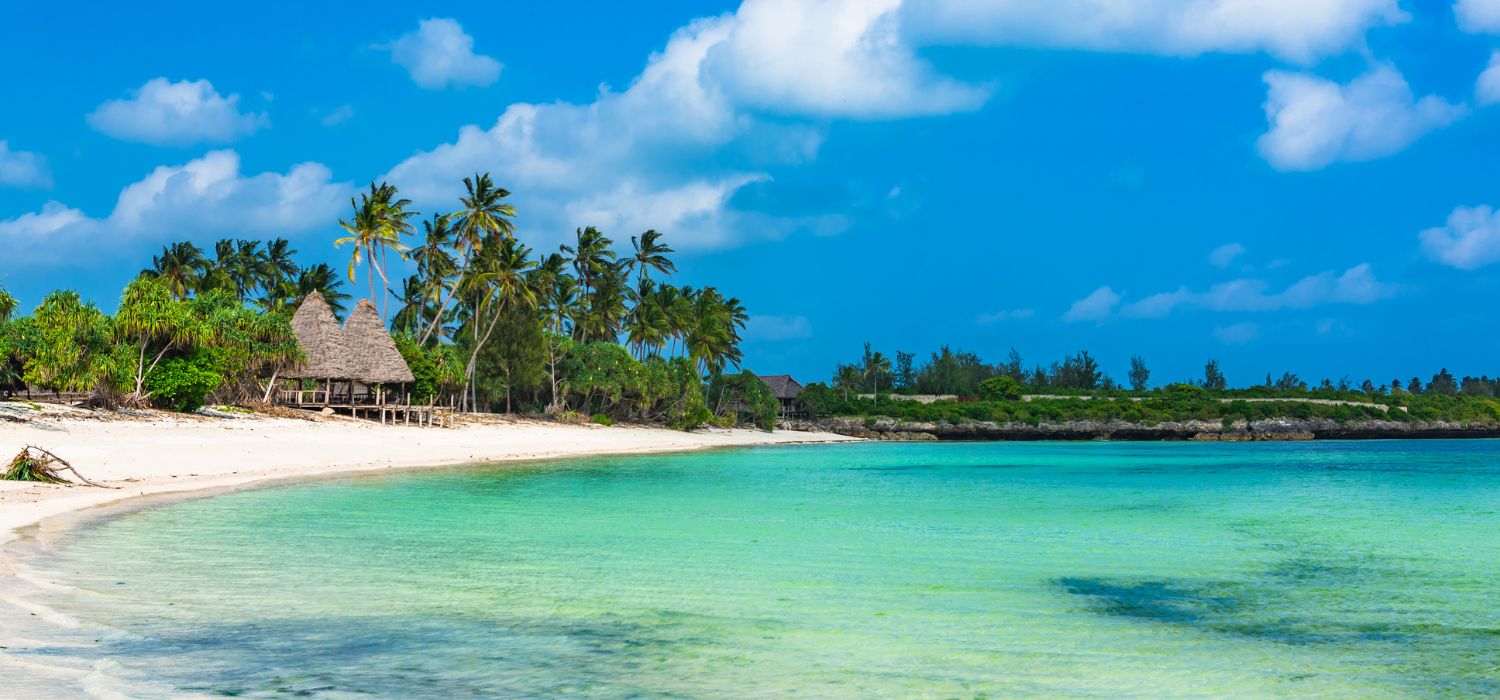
(602, 419)
(183, 383)
(1000, 389)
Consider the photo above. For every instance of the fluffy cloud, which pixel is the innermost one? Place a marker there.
(1225, 254)
(27, 228)
(23, 168)
(1478, 16)
(1470, 240)
(777, 328)
(1356, 285)
(681, 149)
(1487, 88)
(1295, 30)
(440, 55)
(184, 113)
(1005, 315)
(1097, 306)
(207, 195)
(839, 58)
(1315, 122)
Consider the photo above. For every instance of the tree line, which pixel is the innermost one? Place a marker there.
(960, 373)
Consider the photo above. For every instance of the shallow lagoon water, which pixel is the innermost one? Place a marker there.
(1330, 569)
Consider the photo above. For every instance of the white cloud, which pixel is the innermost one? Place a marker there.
(1097, 306)
(1225, 254)
(1356, 285)
(1005, 315)
(836, 58)
(777, 328)
(184, 113)
(440, 55)
(53, 217)
(1295, 30)
(1158, 305)
(1237, 333)
(1315, 122)
(1487, 88)
(1478, 16)
(23, 168)
(338, 116)
(1470, 240)
(204, 196)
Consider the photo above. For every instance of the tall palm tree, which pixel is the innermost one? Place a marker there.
(435, 269)
(503, 279)
(412, 313)
(279, 263)
(592, 258)
(647, 326)
(181, 266)
(323, 279)
(378, 222)
(485, 214)
(246, 266)
(649, 255)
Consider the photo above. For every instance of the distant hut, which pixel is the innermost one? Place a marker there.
(785, 389)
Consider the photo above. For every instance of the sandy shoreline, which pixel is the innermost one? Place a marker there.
(165, 454)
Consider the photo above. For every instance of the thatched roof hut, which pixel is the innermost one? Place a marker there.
(323, 345)
(373, 357)
(782, 386)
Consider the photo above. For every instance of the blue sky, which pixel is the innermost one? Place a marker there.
(1298, 185)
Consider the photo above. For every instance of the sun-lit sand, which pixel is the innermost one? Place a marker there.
(161, 453)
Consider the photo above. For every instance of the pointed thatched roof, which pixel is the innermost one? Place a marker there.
(322, 341)
(782, 385)
(373, 356)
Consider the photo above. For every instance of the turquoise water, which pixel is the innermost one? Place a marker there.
(873, 570)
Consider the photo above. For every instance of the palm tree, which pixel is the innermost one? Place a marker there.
(501, 279)
(246, 266)
(7, 305)
(649, 255)
(876, 366)
(323, 279)
(485, 214)
(412, 312)
(647, 325)
(278, 263)
(592, 257)
(378, 222)
(181, 267)
(435, 269)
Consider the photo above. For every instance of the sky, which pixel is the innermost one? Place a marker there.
(1282, 185)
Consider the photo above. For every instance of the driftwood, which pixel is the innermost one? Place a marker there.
(33, 463)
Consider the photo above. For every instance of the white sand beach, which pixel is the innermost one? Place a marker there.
(159, 453)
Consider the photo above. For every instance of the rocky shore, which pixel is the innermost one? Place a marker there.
(1279, 429)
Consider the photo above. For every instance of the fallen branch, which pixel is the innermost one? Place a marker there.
(43, 467)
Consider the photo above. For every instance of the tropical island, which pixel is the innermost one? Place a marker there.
(957, 395)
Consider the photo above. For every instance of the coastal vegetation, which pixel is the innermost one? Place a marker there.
(956, 386)
(485, 321)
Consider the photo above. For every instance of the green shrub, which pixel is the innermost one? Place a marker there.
(183, 383)
(602, 419)
(1000, 389)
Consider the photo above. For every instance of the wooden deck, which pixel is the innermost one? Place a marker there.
(368, 404)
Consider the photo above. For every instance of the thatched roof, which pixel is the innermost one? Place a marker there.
(322, 341)
(373, 356)
(782, 385)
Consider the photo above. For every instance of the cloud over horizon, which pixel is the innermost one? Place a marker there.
(204, 196)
